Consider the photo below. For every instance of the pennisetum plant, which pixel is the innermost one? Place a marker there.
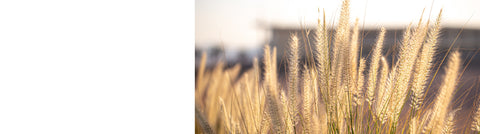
(342, 92)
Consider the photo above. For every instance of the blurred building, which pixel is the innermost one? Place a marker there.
(280, 36)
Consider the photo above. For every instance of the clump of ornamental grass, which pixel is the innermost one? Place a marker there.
(338, 90)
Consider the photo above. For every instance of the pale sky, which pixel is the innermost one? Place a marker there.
(235, 23)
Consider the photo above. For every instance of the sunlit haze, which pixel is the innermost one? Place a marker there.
(243, 24)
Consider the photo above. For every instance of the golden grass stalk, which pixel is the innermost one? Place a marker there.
(417, 122)
(226, 116)
(358, 98)
(424, 64)
(323, 120)
(338, 104)
(342, 34)
(274, 113)
(413, 126)
(449, 127)
(252, 111)
(288, 122)
(372, 73)
(267, 61)
(258, 96)
(324, 70)
(353, 57)
(268, 68)
(211, 106)
(265, 124)
(316, 127)
(426, 118)
(307, 100)
(383, 110)
(322, 56)
(271, 97)
(342, 109)
(407, 56)
(353, 63)
(203, 122)
(343, 29)
(293, 75)
(200, 83)
(340, 50)
(445, 94)
(383, 77)
(201, 72)
(476, 120)
(274, 65)
(316, 101)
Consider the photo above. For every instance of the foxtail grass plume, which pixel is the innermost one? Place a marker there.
(445, 94)
(372, 73)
